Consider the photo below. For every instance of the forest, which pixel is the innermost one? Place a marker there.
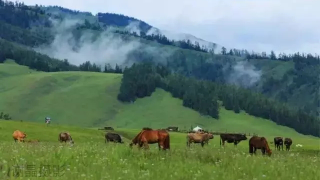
(141, 80)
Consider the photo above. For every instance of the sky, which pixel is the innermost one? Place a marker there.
(260, 25)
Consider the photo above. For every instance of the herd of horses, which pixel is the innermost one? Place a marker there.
(161, 136)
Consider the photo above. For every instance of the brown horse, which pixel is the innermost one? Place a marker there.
(287, 142)
(199, 137)
(256, 142)
(19, 135)
(64, 137)
(150, 136)
(278, 142)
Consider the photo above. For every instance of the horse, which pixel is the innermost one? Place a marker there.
(150, 136)
(256, 142)
(198, 137)
(232, 138)
(116, 138)
(64, 137)
(287, 142)
(278, 142)
(19, 135)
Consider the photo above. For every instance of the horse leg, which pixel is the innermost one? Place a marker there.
(254, 150)
(235, 143)
(202, 144)
(146, 146)
(188, 143)
(161, 144)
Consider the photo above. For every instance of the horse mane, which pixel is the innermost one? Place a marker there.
(146, 128)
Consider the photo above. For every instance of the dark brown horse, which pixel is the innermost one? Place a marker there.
(256, 142)
(198, 137)
(287, 142)
(64, 137)
(150, 136)
(278, 142)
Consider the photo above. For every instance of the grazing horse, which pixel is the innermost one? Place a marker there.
(256, 142)
(198, 137)
(64, 137)
(113, 137)
(19, 135)
(287, 142)
(150, 136)
(232, 138)
(278, 142)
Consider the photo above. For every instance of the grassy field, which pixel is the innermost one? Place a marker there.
(91, 158)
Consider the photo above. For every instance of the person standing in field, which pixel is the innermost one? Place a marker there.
(47, 120)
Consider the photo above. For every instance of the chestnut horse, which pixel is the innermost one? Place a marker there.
(256, 142)
(18, 135)
(150, 136)
(64, 137)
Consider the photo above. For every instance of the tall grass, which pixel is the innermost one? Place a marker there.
(117, 161)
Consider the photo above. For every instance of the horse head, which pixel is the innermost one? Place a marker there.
(269, 152)
(132, 143)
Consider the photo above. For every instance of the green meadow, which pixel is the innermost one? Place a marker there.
(91, 158)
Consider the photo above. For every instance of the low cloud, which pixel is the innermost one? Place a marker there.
(244, 74)
(100, 48)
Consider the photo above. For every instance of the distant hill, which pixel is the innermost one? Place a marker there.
(89, 99)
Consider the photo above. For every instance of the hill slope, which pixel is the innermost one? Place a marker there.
(89, 99)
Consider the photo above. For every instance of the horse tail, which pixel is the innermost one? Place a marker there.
(188, 139)
(167, 142)
(220, 140)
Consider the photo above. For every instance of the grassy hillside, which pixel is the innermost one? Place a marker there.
(89, 99)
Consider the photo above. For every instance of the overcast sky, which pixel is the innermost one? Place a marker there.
(261, 25)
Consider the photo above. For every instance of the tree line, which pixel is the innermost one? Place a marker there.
(5, 116)
(162, 39)
(142, 79)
